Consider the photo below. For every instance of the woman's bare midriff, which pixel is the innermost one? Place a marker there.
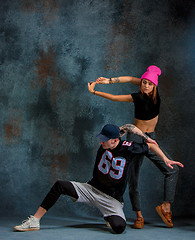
(146, 125)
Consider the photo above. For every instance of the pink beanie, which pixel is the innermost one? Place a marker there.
(152, 74)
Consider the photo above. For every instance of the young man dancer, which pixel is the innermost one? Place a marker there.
(105, 190)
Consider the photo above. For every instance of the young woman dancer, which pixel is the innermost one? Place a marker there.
(147, 108)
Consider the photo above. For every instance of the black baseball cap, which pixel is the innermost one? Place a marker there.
(109, 131)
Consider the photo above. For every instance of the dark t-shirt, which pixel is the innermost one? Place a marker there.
(145, 108)
(111, 168)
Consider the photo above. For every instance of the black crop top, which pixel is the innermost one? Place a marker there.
(145, 108)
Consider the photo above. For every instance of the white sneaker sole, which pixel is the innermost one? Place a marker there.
(26, 229)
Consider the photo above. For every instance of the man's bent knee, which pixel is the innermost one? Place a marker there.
(119, 228)
(117, 223)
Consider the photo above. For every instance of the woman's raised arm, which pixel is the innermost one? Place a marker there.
(122, 79)
(119, 98)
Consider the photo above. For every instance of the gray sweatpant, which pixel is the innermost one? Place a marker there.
(170, 175)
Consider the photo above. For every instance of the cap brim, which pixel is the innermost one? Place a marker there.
(102, 138)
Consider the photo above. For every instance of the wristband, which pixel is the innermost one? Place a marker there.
(110, 81)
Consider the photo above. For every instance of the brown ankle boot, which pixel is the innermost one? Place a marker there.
(139, 223)
(166, 216)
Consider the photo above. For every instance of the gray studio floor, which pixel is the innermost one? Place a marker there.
(95, 229)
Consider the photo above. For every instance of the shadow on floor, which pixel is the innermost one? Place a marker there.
(93, 229)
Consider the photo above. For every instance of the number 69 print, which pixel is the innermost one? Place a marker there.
(108, 162)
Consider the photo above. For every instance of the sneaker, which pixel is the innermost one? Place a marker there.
(30, 224)
(139, 223)
(166, 216)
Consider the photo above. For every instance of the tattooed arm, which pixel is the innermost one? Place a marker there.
(125, 79)
(131, 128)
(154, 147)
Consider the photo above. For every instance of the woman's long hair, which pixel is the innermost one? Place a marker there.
(153, 94)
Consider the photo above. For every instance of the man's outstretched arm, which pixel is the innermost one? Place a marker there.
(131, 128)
(154, 148)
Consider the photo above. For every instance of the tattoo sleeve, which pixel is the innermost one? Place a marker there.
(145, 136)
(131, 128)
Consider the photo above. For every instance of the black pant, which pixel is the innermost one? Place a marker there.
(117, 223)
(170, 175)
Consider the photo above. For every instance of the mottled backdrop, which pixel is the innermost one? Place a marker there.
(49, 51)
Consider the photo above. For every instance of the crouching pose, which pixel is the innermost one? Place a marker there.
(106, 188)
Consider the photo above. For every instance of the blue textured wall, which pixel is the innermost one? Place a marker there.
(49, 51)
